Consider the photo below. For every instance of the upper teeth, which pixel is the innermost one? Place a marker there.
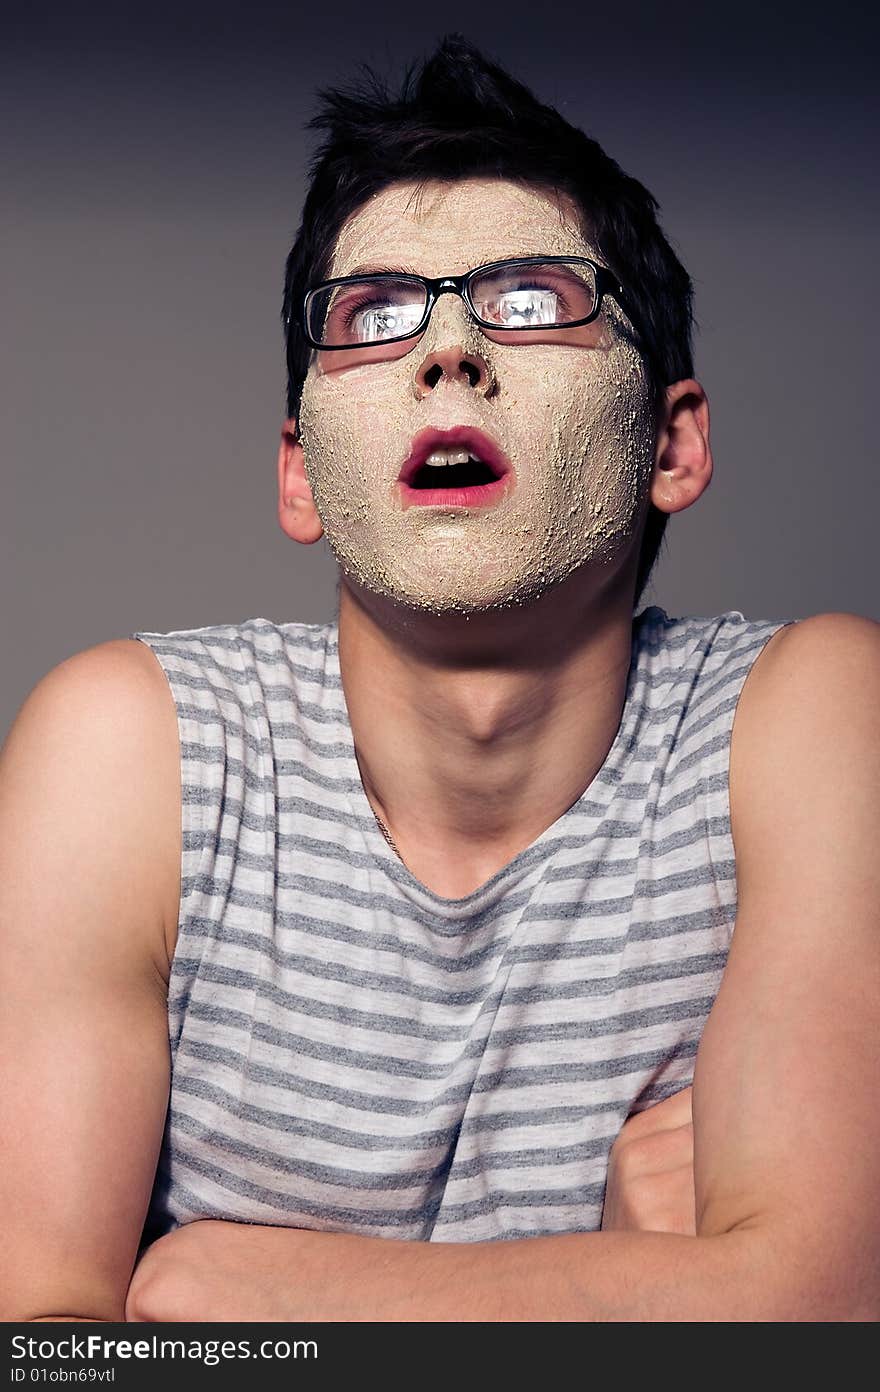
(442, 457)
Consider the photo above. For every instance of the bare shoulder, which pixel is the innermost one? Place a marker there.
(126, 662)
(808, 720)
(842, 651)
(121, 670)
(96, 740)
(828, 634)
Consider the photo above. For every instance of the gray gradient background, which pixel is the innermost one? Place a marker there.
(153, 165)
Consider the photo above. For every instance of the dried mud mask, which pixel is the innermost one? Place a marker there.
(576, 422)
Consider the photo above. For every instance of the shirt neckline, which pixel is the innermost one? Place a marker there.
(587, 809)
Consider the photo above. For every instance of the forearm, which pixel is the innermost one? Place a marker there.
(583, 1276)
(230, 1271)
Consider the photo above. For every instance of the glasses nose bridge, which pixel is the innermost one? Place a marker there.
(448, 285)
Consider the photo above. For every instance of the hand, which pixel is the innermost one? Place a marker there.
(214, 1270)
(651, 1171)
(207, 1270)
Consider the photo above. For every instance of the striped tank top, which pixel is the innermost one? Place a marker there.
(353, 1052)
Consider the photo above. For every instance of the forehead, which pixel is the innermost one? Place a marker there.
(441, 228)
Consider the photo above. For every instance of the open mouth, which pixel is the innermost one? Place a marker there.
(452, 469)
(461, 467)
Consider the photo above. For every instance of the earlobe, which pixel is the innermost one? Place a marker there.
(683, 464)
(297, 514)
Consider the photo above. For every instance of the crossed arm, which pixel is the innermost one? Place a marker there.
(785, 1126)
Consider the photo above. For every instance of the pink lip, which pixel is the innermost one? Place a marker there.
(463, 437)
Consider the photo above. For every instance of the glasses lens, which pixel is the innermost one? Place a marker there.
(365, 311)
(535, 295)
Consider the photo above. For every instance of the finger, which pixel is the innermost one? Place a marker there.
(666, 1150)
(662, 1116)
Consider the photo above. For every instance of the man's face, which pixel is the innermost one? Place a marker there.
(571, 414)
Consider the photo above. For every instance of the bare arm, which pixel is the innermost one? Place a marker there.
(88, 783)
(786, 1128)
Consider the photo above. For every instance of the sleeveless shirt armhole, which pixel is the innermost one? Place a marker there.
(203, 738)
(755, 637)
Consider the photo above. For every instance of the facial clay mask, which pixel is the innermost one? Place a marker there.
(573, 418)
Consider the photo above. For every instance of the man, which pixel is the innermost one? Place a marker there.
(438, 902)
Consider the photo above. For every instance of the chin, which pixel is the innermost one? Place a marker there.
(463, 599)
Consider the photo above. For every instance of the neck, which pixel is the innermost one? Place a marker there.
(473, 735)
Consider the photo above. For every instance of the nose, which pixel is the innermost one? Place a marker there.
(453, 364)
(451, 350)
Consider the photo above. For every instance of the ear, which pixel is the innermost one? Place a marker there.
(683, 462)
(297, 513)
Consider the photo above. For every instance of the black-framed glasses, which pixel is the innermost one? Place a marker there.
(517, 296)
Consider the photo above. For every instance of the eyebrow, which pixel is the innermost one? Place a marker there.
(379, 268)
(375, 268)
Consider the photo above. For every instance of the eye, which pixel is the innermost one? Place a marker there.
(377, 319)
(522, 308)
(372, 311)
(534, 295)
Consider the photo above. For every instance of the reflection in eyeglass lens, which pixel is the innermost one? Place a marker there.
(368, 312)
(530, 296)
